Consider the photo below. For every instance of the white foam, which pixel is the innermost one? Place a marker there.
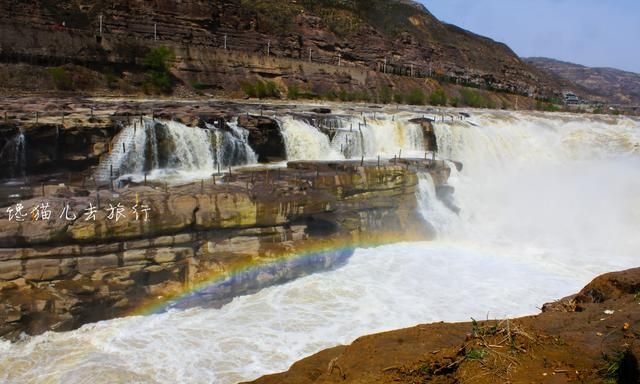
(380, 289)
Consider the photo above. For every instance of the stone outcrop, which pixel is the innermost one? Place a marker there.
(64, 272)
(430, 141)
(264, 137)
(49, 148)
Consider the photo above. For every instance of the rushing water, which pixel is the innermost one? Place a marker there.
(14, 152)
(354, 137)
(547, 202)
(169, 149)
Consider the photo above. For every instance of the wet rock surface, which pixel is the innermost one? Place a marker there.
(264, 137)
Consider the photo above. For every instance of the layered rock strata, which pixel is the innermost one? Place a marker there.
(60, 273)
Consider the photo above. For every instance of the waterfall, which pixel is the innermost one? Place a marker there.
(547, 183)
(352, 138)
(15, 152)
(232, 147)
(432, 209)
(305, 142)
(21, 154)
(162, 148)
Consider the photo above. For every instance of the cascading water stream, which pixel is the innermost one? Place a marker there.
(15, 152)
(170, 149)
(21, 154)
(354, 137)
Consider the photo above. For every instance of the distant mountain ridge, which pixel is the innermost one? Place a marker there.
(614, 85)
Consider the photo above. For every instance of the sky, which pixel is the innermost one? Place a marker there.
(596, 33)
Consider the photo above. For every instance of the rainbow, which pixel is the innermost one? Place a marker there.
(260, 272)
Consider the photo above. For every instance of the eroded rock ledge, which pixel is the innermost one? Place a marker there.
(59, 274)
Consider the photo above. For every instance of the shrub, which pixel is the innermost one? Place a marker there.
(398, 98)
(110, 77)
(293, 93)
(385, 95)
(248, 88)
(159, 60)
(271, 89)
(438, 97)
(476, 354)
(416, 97)
(61, 78)
(198, 85)
(546, 107)
(622, 367)
(475, 99)
(260, 89)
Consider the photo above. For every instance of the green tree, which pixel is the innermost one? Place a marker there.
(438, 97)
(416, 97)
(158, 61)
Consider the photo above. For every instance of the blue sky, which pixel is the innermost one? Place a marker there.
(600, 33)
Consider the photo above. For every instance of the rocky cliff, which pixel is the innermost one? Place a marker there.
(69, 270)
(383, 37)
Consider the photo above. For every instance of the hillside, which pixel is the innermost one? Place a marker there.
(616, 86)
(357, 33)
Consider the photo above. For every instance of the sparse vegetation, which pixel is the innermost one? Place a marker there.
(260, 89)
(416, 97)
(425, 370)
(476, 354)
(273, 16)
(293, 92)
(385, 95)
(73, 78)
(546, 106)
(438, 97)
(621, 367)
(158, 61)
(61, 78)
(198, 85)
(475, 99)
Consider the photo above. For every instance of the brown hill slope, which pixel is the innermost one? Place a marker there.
(616, 86)
(362, 33)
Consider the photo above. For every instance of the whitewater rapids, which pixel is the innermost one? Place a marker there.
(547, 203)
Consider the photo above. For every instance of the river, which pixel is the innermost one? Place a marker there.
(547, 202)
